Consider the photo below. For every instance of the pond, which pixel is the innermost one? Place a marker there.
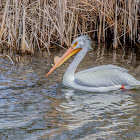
(36, 107)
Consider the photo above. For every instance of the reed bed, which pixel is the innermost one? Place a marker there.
(30, 25)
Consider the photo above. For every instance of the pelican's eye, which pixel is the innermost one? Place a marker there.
(74, 45)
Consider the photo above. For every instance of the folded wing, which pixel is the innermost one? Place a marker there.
(105, 76)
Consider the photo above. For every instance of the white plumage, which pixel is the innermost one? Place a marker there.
(97, 79)
(104, 76)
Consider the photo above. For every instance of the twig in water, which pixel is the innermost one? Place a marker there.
(3, 55)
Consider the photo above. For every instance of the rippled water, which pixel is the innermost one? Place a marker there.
(33, 106)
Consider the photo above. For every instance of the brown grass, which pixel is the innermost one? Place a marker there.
(29, 24)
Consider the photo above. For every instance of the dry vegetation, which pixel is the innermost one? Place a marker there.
(29, 24)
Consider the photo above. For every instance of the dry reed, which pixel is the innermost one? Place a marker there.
(29, 24)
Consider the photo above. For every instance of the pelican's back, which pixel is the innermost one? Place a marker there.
(105, 76)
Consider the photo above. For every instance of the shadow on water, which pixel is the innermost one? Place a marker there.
(33, 106)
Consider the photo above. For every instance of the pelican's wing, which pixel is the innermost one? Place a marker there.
(104, 76)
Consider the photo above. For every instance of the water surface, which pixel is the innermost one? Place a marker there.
(36, 107)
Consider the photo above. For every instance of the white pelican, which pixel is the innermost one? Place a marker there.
(97, 79)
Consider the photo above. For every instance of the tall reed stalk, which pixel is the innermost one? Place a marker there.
(29, 25)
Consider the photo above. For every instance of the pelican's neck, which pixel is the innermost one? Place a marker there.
(69, 74)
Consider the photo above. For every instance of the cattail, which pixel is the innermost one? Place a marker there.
(27, 26)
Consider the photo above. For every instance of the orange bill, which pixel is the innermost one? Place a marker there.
(70, 52)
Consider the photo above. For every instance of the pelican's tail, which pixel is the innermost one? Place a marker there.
(133, 86)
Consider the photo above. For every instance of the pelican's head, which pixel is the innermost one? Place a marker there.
(78, 44)
(82, 42)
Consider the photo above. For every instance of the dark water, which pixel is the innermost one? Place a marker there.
(36, 107)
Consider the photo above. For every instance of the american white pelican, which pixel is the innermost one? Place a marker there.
(97, 79)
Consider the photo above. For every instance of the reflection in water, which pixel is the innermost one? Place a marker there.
(33, 106)
(102, 112)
